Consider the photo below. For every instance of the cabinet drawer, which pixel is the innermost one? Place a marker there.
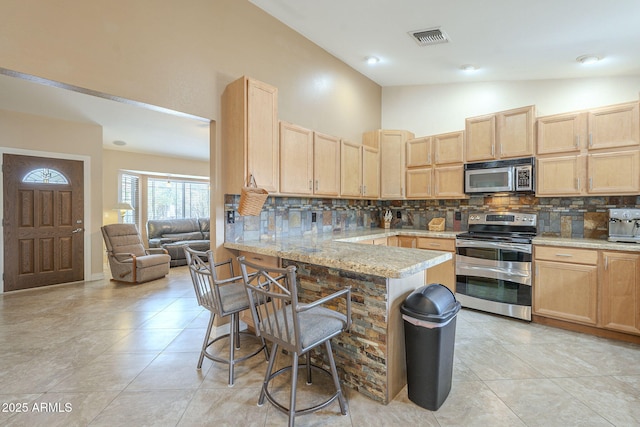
(437, 244)
(572, 255)
(266, 260)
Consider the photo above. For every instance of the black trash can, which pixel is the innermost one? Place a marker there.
(429, 315)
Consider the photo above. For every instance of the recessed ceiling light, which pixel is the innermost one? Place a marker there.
(588, 59)
(119, 143)
(468, 67)
(372, 60)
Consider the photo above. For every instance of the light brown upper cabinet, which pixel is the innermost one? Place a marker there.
(249, 130)
(589, 152)
(326, 165)
(359, 171)
(296, 159)
(391, 145)
(435, 166)
(507, 134)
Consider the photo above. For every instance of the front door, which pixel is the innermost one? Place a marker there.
(43, 221)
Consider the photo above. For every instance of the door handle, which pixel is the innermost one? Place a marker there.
(77, 230)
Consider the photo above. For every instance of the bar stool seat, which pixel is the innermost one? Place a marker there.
(298, 328)
(222, 297)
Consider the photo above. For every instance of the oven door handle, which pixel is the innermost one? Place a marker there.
(497, 270)
(519, 247)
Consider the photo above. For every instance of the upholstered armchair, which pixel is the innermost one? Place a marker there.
(128, 259)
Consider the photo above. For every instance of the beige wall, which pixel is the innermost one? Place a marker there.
(433, 109)
(41, 136)
(180, 56)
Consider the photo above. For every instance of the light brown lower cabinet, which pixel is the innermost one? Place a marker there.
(444, 273)
(566, 284)
(267, 261)
(621, 292)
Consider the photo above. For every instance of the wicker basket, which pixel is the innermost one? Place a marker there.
(436, 224)
(252, 199)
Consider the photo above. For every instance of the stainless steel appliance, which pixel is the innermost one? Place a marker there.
(624, 225)
(500, 176)
(493, 263)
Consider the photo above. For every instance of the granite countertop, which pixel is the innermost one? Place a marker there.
(586, 243)
(341, 251)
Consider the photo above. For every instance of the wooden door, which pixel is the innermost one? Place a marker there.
(566, 291)
(614, 126)
(419, 152)
(392, 164)
(562, 133)
(350, 169)
(480, 141)
(370, 172)
(560, 176)
(449, 182)
(43, 221)
(621, 292)
(614, 173)
(419, 183)
(326, 165)
(296, 159)
(262, 135)
(515, 129)
(448, 148)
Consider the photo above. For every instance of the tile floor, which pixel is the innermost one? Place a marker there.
(106, 354)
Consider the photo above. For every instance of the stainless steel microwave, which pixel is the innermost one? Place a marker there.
(500, 176)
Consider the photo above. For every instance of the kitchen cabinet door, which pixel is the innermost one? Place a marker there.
(480, 141)
(444, 273)
(566, 291)
(621, 292)
(614, 126)
(249, 130)
(350, 169)
(616, 172)
(515, 132)
(448, 148)
(392, 163)
(419, 183)
(419, 152)
(326, 165)
(407, 242)
(449, 182)
(296, 159)
(370, 173)
(562, 133)
(560, 176)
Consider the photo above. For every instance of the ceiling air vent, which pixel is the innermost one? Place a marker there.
(429, 36)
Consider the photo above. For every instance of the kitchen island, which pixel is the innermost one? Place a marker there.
(370, 357)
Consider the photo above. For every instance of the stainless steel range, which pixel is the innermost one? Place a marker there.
(493, 263)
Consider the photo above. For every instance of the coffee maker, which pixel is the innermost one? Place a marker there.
(624, 225)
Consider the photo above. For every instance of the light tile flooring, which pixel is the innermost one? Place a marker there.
(106, 354)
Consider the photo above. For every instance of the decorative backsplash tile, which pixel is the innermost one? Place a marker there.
(294, 216)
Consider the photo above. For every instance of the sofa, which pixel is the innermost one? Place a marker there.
(173, 234)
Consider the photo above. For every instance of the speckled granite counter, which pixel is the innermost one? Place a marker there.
(586, 244)
(370, 357)
(341, 251)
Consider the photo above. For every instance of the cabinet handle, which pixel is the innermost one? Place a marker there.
(437, 157)
(360, 189)
(435, 244)
(402, 191)
(493, 150)
(310, 186)
(537, 270)
(428, 158)
(590, 183)
(577, 141)
(590, 140)
(606, 262)
(565, 255)
(316, 185)
(578, 184)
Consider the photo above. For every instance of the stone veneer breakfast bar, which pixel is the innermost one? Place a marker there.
(371, 357)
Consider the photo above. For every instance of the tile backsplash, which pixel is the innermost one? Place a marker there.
(295, 216)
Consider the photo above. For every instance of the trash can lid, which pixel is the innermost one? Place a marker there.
(433, 303)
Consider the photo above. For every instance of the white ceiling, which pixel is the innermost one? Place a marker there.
(506, 39)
